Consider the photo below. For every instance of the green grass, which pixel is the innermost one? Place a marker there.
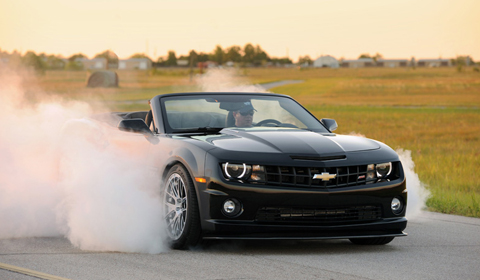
(434, 113)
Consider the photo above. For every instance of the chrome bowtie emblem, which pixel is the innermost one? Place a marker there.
(324, 176)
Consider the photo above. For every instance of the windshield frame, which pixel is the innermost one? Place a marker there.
(313, 124)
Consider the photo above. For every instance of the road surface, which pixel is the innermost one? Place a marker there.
(438, 247)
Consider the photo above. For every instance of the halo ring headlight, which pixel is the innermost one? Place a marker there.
(236, 170)
(383, 169)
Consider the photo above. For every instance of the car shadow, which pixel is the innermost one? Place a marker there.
(291, 247)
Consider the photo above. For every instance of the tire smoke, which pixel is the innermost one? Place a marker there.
(226, 80)
(61, 175)
(417, 192)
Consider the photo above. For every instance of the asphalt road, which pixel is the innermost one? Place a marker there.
(438, 247)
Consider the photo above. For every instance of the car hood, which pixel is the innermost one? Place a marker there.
(293, 142)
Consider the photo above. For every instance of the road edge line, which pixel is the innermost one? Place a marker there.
(30, 272)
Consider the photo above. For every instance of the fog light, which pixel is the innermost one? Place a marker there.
(232, 208)
(229, 206)
(397, 206)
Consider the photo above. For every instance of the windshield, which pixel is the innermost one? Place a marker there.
(213, 112)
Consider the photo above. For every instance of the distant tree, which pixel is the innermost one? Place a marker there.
(30, 59)
(111, 57)
(461, 61)
(233, 54)
(203, 57)
(193, 58)
(248, 53)
(260, 57)
(75, 65)
(161, 61)
(76, 57)
(15, 59)
(140, 55)
(218, 55)
(54, 63)
(375, 57)
(171, 59)
(364, 55)
(305, 60)
(464, 60)
(281, 61)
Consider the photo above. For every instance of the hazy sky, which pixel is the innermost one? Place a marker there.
(342, 28)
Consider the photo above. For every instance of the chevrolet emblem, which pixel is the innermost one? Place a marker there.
(324, 176)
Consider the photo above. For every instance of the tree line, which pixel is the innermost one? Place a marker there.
(249, 55)
(246, 56)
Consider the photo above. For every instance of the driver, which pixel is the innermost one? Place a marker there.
(244, 115)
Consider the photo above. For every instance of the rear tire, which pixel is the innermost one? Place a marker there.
(372, 240)
(181, 216)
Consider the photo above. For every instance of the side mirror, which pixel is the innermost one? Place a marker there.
(134, 125)
(330, 124)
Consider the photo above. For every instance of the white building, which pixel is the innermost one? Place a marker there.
(392, 63)
(358, 63)
(135, 64)
(326, 61)
(436, 62)
(94, 63)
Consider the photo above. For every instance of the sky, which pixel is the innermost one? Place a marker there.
(341, 28)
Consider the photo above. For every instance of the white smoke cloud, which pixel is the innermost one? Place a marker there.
(61, 174)
(417, 193)
(226, 80)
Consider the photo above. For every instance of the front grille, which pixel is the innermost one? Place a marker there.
(303, 176)
(318, 215)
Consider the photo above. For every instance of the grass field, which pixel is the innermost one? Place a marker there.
(433, 112)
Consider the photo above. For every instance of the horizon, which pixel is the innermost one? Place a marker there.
(343, 29)
(271, 57)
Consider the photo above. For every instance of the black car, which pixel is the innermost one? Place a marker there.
(260, 166)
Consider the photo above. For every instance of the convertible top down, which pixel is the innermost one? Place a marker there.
(260, 166)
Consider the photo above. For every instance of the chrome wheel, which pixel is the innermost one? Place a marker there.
(176, 206)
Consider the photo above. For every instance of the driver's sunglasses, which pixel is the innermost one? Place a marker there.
(246, 113)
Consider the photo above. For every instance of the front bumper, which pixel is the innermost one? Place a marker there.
(324, 214)
(226, 229)
(292, 212)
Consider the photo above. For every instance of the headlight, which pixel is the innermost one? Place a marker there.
(236, 170)
(383, 169)
(241, 171)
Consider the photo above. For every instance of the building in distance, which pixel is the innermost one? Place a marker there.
(326, 61)
(358, 63)
(135, 64)
(436, 62)
(391, 63)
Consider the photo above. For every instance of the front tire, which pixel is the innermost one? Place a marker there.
(181, 217)
(372, 240)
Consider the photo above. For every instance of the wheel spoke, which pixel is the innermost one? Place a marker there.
(176, 204)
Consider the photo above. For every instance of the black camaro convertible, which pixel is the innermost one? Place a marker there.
(260, 166)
